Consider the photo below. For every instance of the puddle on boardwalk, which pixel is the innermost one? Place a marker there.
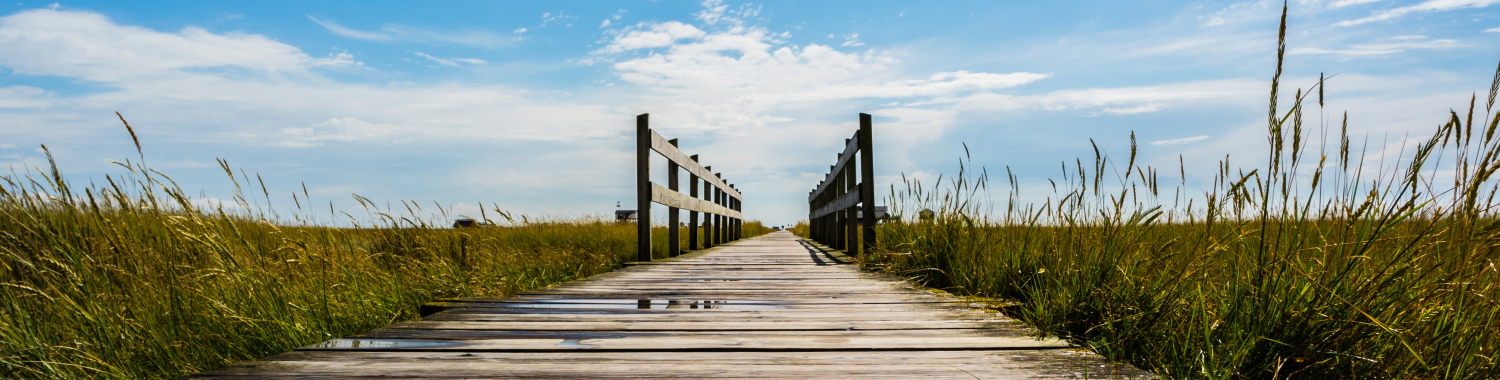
(707, 280)
(608, 303)
(343, 343)
(575, 343)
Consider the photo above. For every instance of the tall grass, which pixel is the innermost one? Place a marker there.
(1320, 263)
(133, 279)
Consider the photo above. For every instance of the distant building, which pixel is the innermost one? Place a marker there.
(625, 216)
(880, 213)
(464, 223)
(927, 214)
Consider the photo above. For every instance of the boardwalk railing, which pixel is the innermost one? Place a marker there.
(834, 206)
(720, 203)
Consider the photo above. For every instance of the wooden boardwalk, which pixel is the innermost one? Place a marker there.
(769, 307)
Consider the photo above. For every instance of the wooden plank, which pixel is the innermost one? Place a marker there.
(696, 342)
(670, 198)
(844, 202)
(828, 364)
(844, 158)
(668, 325)
(660, 145)
(769, 307)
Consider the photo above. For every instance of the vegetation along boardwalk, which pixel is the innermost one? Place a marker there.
(769, 307)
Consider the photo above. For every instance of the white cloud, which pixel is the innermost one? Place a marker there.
(1427, 6)
(391, 33)
(644, 36)
(437, 60)
(158, 79)
(7, 146)
(23, 97)
(1114, 101)
(852, 40)
(1183, 140)
(337, 129)
(450, 62)
(88, 46)
(1493, 30)
(714, 11)
(519, 31)
(1345, 3)
(604, 24)
(1402, 43)
(559, 18)
(1144, 108)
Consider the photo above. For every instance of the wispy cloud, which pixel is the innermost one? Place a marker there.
(392, 33)
(852, 40)
(450, 62)
(1493, 30)
(1427, 6)
(1345, 3)
(559, 18)
(1183, 140)
(1398, 44)
(1144, 108)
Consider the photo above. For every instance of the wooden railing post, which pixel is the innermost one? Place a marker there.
(835, 188)
(851, 215)
(674, 247)
(709, 220)
(643, 187)
(719, 219)
(867, 179)
(693, 215)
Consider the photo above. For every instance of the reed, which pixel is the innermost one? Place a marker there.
(1319, 263)
(133, 279)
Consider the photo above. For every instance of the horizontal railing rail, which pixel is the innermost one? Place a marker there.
(720, 202)
(843, 205)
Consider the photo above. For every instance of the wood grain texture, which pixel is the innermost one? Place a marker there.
(769, 307)
(660, 145)
(844, 157)
(671, 198)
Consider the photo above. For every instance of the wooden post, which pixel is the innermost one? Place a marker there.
(836, 236)
(719, 219)
(693, 215)
(867, 179)
(733, 222)
(851, 214)
(674, 247)
(643, 187)
(709, 220)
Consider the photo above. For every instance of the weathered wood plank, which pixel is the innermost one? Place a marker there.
(695, 342)
(770, 307)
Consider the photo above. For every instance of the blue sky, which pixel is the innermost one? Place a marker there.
(530, 106)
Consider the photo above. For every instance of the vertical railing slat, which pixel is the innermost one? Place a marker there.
(867, 179)
(643, 187)
(674, 247)
(693, 215)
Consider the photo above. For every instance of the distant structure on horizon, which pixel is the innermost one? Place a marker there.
(625, 216)
(469, 223)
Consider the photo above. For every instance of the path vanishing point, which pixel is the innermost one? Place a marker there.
(774, 306)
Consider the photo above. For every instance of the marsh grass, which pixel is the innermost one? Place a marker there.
(132, 279)
(1322, 263)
